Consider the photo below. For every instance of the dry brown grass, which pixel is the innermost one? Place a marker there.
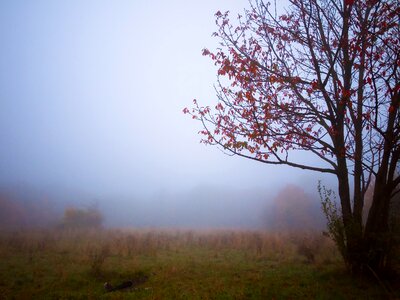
(97, 245)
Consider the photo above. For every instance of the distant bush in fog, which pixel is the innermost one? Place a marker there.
(82, 218)
(293, 209)
(18, 212)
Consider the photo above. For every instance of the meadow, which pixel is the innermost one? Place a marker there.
(179, 264)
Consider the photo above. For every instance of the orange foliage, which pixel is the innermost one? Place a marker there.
(293, 209)
(82, 218)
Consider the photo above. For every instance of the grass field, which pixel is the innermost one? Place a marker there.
(219, 264)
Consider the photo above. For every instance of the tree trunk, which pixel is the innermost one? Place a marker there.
(352, 225)
(377, 235)
(367, 249)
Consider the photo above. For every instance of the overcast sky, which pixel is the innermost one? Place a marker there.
(92, 94)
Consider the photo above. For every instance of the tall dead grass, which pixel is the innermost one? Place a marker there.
(95, 246)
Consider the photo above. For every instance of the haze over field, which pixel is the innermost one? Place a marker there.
(91, 96)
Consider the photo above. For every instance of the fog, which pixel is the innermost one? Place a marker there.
(91, 96)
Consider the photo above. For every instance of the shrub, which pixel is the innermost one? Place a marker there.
(82, 218)
(333, 215)
(97, 254)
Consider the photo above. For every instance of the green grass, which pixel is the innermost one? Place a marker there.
(180, 265)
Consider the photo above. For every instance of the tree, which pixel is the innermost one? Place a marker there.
(322, 78)
(292, 209)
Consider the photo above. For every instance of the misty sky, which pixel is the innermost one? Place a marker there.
(92, 92)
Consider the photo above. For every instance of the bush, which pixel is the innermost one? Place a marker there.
(333, 216)
(82, 218)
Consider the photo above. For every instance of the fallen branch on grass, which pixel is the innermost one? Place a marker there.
(130, 284)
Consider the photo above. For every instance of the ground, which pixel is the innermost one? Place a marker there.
(180, 264)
